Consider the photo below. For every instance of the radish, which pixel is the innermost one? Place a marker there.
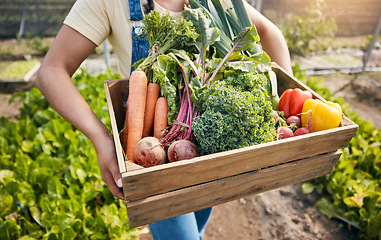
(276, 116)
(301, 131)
(284, 132)
(182, 150)
(294, 120)
(149, 152)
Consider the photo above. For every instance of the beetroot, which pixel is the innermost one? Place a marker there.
(182, 150)
(149, 152)
(284, 132)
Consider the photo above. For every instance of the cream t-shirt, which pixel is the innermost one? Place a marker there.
(101, 19)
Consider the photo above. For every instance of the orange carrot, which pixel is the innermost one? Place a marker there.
(136, 109)
(161, 119)
(153, 91)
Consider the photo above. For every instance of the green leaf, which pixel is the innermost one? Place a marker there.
(55, 188)
(220, 16)
(68, 233)
(6, 175)
(81, 175)
(12, 187)
(249, 39)
(26, 237)
(41, 117)
(9, 229)
(197, 88)
(88, 192)
(27, 146)
(241, 13)
(307, 188)
(354, 201)
(207, 34)
(245, 66)
(6, 202)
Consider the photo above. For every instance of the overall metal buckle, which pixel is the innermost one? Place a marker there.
(137, 27)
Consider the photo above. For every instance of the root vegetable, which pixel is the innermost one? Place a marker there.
(294, 120)
(284, 132)
(136, 108)
(153, 92)
(161, 117)
(301, 131)
(149, 152)
(276, 116)
(182, 150)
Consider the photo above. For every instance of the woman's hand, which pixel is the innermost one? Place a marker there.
(108, 164)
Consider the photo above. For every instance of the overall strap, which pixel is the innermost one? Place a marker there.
(140, 44)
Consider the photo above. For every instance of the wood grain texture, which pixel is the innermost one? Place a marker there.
(209, 194)
(113, 99)
(169, 177)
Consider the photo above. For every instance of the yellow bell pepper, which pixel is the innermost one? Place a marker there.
(324, 115)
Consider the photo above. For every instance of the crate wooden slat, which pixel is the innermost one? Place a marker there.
(153, 194)
(203, 169)
(228, 189)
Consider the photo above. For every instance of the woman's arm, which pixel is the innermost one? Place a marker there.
(272, 39)
(67, 52)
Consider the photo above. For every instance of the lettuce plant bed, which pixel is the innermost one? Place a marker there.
(168, 190)
(20, 71)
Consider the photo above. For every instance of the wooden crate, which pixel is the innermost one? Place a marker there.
(159, 192)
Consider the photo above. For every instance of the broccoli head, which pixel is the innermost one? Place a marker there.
(236, 112)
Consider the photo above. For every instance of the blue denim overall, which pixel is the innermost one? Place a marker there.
(140, 45)
(190, 226)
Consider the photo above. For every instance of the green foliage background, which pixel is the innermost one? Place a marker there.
(50, 167)
(308, 32)
(352, 192)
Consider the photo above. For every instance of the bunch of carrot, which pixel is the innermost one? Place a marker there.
(146, 112)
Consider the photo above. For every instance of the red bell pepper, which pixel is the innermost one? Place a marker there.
(291, 101)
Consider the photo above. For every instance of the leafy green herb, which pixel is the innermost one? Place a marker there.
(165, 33)
(168, 32)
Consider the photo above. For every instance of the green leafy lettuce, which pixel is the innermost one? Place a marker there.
(51, 168)
(352, 192)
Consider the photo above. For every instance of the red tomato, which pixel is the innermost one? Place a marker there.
(291, 101)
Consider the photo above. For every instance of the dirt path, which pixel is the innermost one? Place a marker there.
(284, 213)
(363, 93)
(8, 110)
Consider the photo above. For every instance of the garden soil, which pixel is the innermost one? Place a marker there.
(284, 213)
